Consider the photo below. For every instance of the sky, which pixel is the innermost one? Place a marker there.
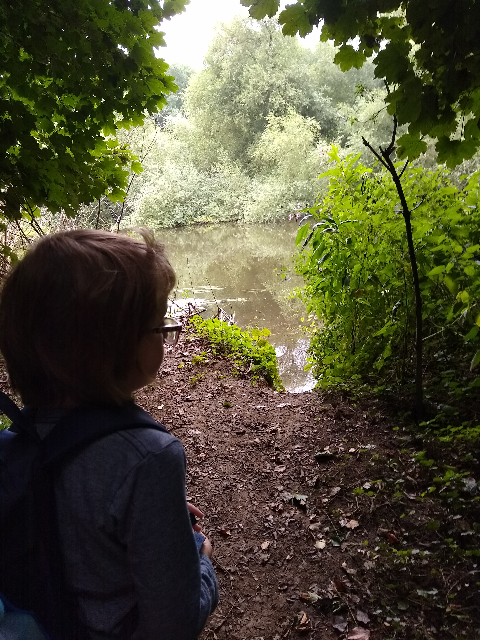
(188, 35)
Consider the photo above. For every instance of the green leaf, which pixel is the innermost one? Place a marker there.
(437, 270)
(475, 360)
(259, 9)
(451, 285)
(136, 167)
(392, 63)
(410, 146)
(463, 296)
(348, 57)
(472, 333)
(294, 19)
(302, 233)
(453, 152)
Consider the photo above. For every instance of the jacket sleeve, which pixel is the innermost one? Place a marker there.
(175, 584)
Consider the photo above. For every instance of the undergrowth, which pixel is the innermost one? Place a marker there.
(247, 348)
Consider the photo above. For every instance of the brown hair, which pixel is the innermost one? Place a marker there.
(73, 312)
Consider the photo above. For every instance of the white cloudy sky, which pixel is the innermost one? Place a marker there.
(188, 35)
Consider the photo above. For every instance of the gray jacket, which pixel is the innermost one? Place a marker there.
(131, 558)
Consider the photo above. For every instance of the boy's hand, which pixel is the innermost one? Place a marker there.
(207, 548)
(198, 514)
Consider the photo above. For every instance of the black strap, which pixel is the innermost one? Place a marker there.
(72, 432)
(81, 426)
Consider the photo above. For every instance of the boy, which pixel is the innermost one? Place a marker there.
(82, 324)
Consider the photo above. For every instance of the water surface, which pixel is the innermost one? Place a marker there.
(247, 270)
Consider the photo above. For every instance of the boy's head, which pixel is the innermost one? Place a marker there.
(75, 315)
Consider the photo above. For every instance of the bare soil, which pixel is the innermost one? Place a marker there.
(322, 522)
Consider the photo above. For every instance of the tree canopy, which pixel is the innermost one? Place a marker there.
(252, 72)
(428, 53)
(71, 73)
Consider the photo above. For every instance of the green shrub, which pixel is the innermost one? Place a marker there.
(247, 348)
(358, 281)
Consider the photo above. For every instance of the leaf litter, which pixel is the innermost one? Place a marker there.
(255, 475)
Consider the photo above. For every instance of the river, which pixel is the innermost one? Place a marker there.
(246, 270)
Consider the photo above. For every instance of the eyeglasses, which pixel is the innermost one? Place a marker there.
(171, 331)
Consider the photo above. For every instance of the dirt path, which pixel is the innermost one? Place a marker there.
(296, 551)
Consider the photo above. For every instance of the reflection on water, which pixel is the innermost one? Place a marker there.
(240, 268)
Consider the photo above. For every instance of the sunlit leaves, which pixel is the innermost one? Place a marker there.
(410, 146)
(259, 9)
(358, 280)
(295, 20)
(348, 57)
(437, 43)
(70, 75)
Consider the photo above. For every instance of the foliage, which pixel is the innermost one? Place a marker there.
(246, 347)
(4, 422)
(432, 68)
(247, 144)
(249, 73)
(174, 190)
(71, 74)
(358, 277)
(182, 74)
(252, 73)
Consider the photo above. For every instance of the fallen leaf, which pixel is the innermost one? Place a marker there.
(402, 605)
(315, 526)
(352, 524)
(340, 586)
(309, 597)
(324, 456)
(224, 532)
(339, 623)
(280, 469)
(265, 545)
(300, 500)
(425, 592)
(333, 491)
(350, 572)
(362, 617)
(389, 535)
(303, 622)
(359, 633)
(320, 544)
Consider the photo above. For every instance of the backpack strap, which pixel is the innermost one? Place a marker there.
(82, 426)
